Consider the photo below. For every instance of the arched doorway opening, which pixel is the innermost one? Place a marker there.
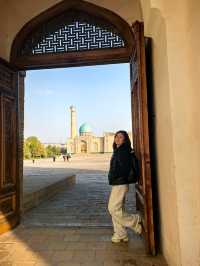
(72, 33)
(77, 33)
(83, 146)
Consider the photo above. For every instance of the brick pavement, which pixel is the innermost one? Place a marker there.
(41, 246)
(66, 245)
(84, 204)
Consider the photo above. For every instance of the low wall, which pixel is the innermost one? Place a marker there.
(34, 198)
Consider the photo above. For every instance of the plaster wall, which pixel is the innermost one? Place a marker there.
(174, 29)
(180, 24)
(155, 28)
(184, 62)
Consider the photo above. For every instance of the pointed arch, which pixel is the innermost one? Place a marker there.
(72, 33)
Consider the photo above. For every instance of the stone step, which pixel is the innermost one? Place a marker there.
(33, 198)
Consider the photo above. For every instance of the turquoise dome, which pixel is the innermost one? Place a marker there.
(85, 128)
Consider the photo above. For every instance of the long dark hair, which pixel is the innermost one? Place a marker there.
(126, 142)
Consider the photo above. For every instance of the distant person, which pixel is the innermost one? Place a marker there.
(33, 160)
(120, 165)
(54, 158)
(64, 158)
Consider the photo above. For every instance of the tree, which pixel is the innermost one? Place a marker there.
(34, 148)
(58, 151)
(49, 151)
(63, 151)
(27, 153)
(53, 151)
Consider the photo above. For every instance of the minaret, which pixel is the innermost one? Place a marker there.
(73, 121)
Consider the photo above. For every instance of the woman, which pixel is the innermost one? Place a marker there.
(120, 166)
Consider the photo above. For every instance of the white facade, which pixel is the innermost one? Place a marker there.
(86, 141)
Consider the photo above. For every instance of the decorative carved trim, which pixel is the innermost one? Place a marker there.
(71, 32)
(6, 78)
(72, 27)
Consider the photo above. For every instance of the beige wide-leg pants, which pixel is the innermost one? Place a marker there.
(120, 218)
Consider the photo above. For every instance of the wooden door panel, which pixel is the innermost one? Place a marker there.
(8, 141)
(141, 134)
(7, 207)
(9, 178)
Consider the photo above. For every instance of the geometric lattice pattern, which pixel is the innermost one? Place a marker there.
(78, 36)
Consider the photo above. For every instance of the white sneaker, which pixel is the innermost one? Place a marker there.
(116, 239)
(137, 228)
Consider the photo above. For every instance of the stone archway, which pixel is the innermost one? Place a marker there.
(38, 45)
(104, 37)
(83, 146)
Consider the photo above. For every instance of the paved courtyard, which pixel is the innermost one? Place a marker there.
(84, 204)
(74, 227)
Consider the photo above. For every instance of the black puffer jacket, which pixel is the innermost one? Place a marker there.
(120, 165)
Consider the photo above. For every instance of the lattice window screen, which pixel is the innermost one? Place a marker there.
(71, 37)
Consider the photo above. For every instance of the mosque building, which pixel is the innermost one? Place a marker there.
(86, 141)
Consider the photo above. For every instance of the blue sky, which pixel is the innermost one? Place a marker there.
(101, 95)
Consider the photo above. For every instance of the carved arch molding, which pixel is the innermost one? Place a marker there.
(72, 33)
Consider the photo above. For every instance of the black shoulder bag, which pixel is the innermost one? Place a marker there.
(135, 169)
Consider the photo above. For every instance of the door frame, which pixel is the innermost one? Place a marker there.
(83, 58)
